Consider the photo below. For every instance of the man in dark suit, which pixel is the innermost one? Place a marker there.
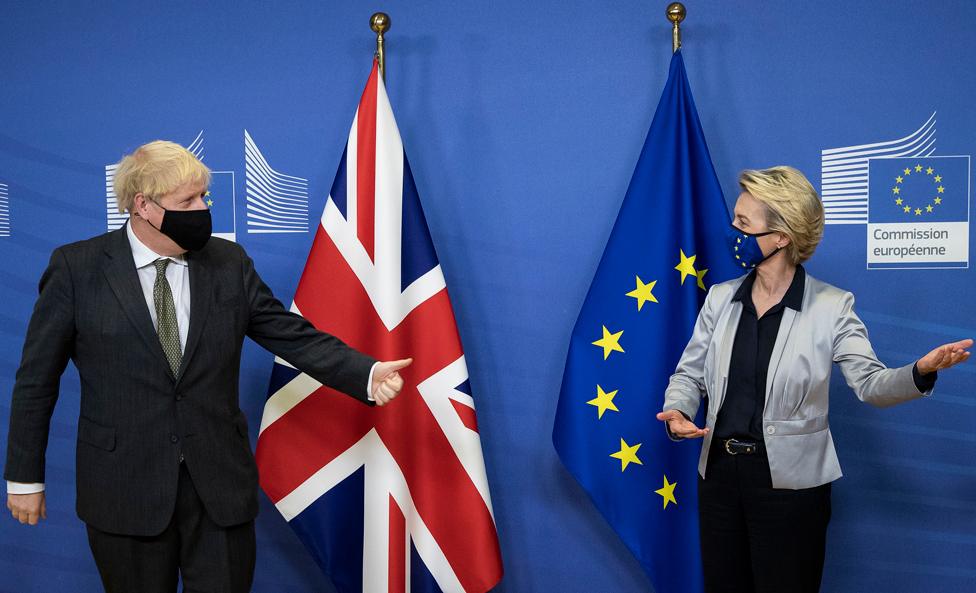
(154, 316)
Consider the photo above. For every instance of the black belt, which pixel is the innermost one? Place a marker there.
(739, 447)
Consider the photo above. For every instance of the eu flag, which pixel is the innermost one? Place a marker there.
(666, 248)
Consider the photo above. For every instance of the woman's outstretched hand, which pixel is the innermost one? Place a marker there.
(943, 357)
(681, 426)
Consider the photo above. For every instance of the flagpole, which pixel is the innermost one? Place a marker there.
(380, 24)
(676, 13)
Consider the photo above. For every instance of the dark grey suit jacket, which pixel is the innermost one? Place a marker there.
(136, 418)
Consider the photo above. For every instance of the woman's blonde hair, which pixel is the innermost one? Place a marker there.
(792, 207)
(155, 169)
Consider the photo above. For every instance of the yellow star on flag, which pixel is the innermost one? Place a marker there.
(896, 190)
(918, 212)
(609, 342)
(938, 200)
(603, 401)
(899, 201)
(938, 178)
(686, 266)
(908, 171)
(667, 492)
(643, 293)
(701, 278)
(941, 189)
(209, 203)
(899, 179)
(928, 208)
(627, 454)
(908, 208)
(929, 171)
(918, 168)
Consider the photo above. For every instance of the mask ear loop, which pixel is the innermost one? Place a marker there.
(158, 205)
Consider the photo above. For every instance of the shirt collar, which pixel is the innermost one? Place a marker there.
(794, 294)
(144, 256)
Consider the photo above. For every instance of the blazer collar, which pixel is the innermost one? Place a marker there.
(120, 271)
(201, 296)
(794, 294)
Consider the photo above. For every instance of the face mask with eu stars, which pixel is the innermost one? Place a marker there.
(745, 247)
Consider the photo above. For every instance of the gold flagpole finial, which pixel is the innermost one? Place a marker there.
(380, 24)
(676, 13)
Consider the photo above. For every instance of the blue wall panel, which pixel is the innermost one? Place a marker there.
(523, 122)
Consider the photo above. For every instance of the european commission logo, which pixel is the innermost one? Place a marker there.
(276, 203)
(4, 211)
(915, 204)
(221, 198)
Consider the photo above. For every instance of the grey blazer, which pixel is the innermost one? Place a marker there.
(797, 435)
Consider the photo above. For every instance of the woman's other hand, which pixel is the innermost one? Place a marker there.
(943, 357)
(681, 426)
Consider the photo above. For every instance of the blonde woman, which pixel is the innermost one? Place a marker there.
(762, 350)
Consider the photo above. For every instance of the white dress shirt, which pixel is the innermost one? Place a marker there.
(178, 276)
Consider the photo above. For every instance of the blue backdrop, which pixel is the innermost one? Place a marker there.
(523, 122)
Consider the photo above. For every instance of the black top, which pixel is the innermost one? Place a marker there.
(745, 396)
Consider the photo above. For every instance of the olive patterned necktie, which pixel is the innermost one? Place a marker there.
(167, 328)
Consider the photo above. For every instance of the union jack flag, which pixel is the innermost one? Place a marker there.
(391, 499)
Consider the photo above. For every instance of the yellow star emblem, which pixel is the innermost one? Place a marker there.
(667, 492)
(609, 342)
(701, 278)
(209, 203)
(941, 189)
(603, 401)
(918, 212)
(899, 201)
(908, 171)
(899, 179)
(938, 200)
(928, 208)
(938, 179)
(896, 190)
(918, 168)
(643, 293)
(686, 266)
(908, 209)
(929, 171)
(627, 454)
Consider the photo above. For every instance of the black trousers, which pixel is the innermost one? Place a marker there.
(755, 538)
(209, 558)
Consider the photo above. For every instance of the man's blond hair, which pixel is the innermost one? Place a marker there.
(792, 207)
(154, 170)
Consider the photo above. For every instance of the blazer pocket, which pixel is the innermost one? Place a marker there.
(96, 435)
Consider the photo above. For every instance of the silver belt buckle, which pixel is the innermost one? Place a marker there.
(727, 448)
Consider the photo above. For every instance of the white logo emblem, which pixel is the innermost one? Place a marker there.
(276, 203)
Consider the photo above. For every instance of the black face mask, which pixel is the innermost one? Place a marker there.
(190, 229)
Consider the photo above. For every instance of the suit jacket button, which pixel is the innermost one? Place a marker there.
(179, 396)
(173, 438)
(770, 430)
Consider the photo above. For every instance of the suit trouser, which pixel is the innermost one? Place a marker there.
(208, 557)
(755, 537)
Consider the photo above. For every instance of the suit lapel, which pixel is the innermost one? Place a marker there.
(120, 271)
(782, 336)
(201, 295)
(725, 351)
